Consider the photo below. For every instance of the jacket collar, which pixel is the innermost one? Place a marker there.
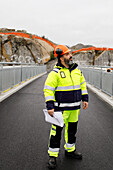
(60, 65)
(72, 66)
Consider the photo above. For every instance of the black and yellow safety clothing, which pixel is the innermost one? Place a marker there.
(64, 89)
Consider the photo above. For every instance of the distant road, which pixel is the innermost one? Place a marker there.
(24, 133)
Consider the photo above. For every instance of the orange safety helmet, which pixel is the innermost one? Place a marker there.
(60, 50)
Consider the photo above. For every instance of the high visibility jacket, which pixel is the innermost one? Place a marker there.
(65, 88)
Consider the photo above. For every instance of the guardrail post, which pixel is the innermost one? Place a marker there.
(1, 77)
(21, 73)
(14, 74)
(93, 75)
(101, 79)
(112, 83)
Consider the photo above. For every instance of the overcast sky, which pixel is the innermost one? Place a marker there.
(63, 21)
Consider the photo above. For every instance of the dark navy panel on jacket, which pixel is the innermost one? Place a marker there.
(85, 97)
(68, 96)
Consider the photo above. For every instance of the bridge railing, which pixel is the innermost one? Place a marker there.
(12, 74)
(99, 78)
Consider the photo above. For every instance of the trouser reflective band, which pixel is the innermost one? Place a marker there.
(69, 147)
(53, 152)
(70, 138)
(54, 142)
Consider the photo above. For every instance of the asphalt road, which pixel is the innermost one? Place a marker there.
(24, 133)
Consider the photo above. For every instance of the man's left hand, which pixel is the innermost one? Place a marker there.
(85, 105)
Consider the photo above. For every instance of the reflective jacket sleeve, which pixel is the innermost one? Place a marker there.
(83, 89)
(49, 89)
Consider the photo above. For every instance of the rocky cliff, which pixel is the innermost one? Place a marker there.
(19, 46)
(23, 47)
(97, 56)
(80, 46)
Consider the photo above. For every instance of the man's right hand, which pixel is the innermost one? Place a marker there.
(51, 112)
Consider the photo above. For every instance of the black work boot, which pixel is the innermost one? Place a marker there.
(74, 154)
(52, 162)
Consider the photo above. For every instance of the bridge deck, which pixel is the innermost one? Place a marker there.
(24, 133)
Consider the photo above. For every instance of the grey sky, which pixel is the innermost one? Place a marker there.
(62, 21)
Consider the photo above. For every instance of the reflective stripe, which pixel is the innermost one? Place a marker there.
(83, 82)
(54, 149)
(67, 104)
(53, 126)
(49, 87)
(84, 92)
(67, 87)
(54, 129)
(68, 145)
(49, 97)
(56, 69)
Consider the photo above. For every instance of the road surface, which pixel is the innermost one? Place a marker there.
(24, 133)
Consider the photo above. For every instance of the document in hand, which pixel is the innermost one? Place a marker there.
(57, 118)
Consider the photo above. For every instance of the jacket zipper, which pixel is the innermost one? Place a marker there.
(72, 84)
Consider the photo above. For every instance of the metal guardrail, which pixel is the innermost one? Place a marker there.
(12, 74)
(100, 78)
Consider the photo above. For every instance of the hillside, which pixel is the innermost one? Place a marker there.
(80, 46)
(20, 46)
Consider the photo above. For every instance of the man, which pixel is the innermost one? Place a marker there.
(64, 89)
